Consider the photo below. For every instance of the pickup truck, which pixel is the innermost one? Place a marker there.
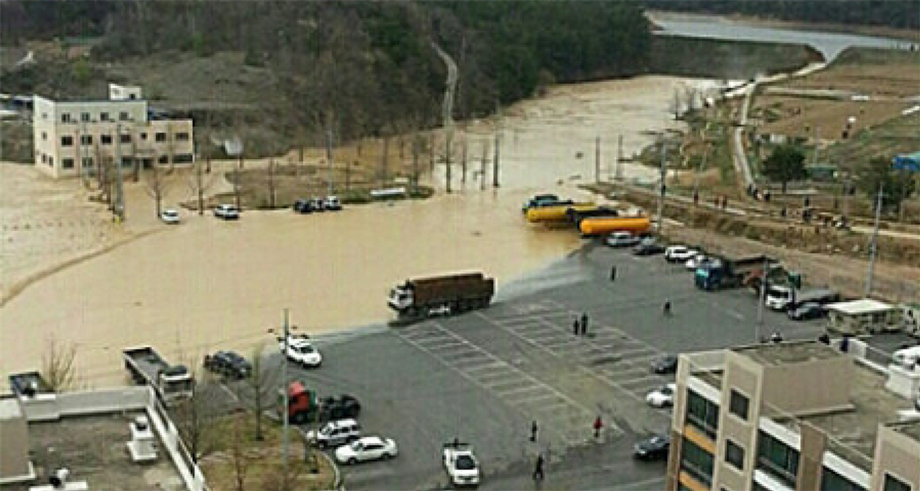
(460, 463)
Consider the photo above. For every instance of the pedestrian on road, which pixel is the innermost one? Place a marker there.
(533, 431)
(666, 310)
(575, 327)
(598, 424)
(538, 468)
(584, 324)
(613, 273)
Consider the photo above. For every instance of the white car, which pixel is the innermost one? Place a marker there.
(662, 396)
(622, 239)
(696, 261)
(461, 465)
(299, 350)
(332, 203)
(170, 216)
(679, 253)
(365, 449)
(227, 212)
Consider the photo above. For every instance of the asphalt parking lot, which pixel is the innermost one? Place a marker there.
(483, 377)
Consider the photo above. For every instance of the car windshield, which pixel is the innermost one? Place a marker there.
(666, 391)
(356, 445)
(465, 463)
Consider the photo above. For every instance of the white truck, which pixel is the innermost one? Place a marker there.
(460, 463)
(780, 297)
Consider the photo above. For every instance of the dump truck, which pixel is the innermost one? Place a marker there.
(449, 294)
(728, 272)
(172, 383)
(556, 213)
(605, 225)
(305, 406)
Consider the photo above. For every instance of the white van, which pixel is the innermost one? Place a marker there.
(907, 357)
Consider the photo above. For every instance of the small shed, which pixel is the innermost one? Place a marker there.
(864, 316)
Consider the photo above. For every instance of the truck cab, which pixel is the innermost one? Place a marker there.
(401, 297)
(303, 405)
(779, 297)
(176, 382)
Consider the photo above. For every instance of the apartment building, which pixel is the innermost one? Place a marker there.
(75, 138)
(799, 416)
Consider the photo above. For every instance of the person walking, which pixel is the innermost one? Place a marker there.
(666, 309)
(533, 431)
(613, 273)
(598, 424)
(584, 324)
(538, 468)
(575, 327)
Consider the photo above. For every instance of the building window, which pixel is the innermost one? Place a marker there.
(894, 484)
(182, 137)
(106, 139)
(160, 137)
(738, 405)
(143, 136)
(87, 161)
(702, 414)
(734, 455)
(126, 138)
(696, 462)
(66, 141)
(86, 140)
(67, 163)
(45, 116)
(164, 159)
(65, 117)
(51, 161)
(183, 158)
(103, 116)
(831, 481)
(123, 116)
(777, 458)
(44, 136)
(84, 117)
(44, 158)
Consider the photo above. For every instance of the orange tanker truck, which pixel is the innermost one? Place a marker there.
(605, 225)
(556, 213)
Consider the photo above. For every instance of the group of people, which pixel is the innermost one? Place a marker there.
(580, 326)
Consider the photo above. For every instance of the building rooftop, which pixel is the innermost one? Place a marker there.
(861, 306)
(785, 353)
(93, 449)
(911, 429)
(852, 433)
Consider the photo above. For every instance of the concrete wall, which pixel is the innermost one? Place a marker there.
(808, 387)
(897, 454)
(744, 376)
(14, 443)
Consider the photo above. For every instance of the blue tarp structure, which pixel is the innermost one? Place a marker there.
(907, 161)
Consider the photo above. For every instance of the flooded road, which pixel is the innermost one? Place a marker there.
(208, 284)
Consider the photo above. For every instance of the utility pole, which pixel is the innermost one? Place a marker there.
(416, 144)
(699, 169)
(495, 158)
(448, 140)
(763, 293)
(874, 244)
(618, 172)
(597, 159)
(119, 188)
(284, 389)
(463, 162)
(329, 159)
(482, 170)
(658, 226)
(384, 158)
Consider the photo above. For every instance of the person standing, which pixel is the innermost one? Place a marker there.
(613, 273)
(575, 327)
(584, 324)
(598, 424)
(538, 468)
(533, 431)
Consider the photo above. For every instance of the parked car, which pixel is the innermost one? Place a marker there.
(460, 463)
(299, 350)
(332, 203)
(696, 261)
(335, 433)
(665, 364)
(317, 204)
(228, 364)
(622, 239)
(170, 216)
(227, 212)
(679, 253)
(366, 449)
(343, 406)
(662, 396)
(302, 206)
(808, 310)
(654, 447)
(648, 249)
(539, 200)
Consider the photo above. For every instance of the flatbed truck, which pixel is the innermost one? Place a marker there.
(172, 383)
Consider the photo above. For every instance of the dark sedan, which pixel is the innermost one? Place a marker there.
(665, 364)
(654, 447)
(229, 364)
(809, 310)
(648, 249)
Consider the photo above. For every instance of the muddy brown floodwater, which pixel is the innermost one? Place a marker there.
(208, 284)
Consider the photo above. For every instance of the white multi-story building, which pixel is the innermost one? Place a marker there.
(72, 138)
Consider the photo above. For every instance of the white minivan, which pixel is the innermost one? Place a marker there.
(907, 357)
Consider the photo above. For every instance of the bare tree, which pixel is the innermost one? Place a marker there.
(236, 185)
(240, 455)
(261, 389)
(196, 420)
(199, 184)
(156, 186)
(58, 366)
(691, 96)
(676, 103)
